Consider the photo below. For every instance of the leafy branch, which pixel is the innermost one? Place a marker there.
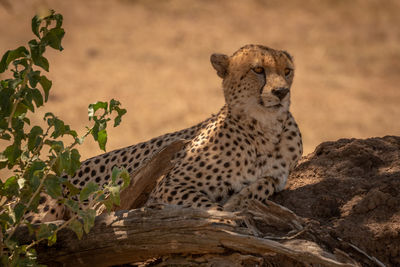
(36, 172)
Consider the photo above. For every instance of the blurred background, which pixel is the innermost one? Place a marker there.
(153, 56)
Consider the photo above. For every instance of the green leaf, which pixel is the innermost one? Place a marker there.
(52, 185)
(59, 128)
(59, 20)
(94, 131)
(102, 139)
(46, 85)
(37, 97)
(11, 55)
(10, 187)
(22, 61)
(5, 218)
(35, 25)
(75, 162)
(118, 173)
(20, 110)
(49, 117)
(100, 196)
(54, 37)
(27, 101)
(27, 121)
(19, 211)
(3, 161)
(115, 174)
(72, 189)
(76, 226)
(51, 240)
(33, 77)
(35, 203)
(88, 217)
(117, 119)
(109, 204)
(12, 153)
(70, 132)
(34, 180)
(113, 104)
(62, 163)
(37, 51)
(114, 194)
(5, 136)
(57, 146)
(34, 138)
(45, 231)
(126, 178)
(89, 189)
(34, 173)
(73, 205)
(26, 192)
(94, 107)
(6, 103)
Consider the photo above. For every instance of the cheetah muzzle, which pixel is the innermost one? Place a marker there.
(245, 151)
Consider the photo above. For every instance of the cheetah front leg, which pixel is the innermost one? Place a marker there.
(183, 196)
(259, 190)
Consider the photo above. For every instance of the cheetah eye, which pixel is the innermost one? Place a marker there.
(258, 70)
(288, 72)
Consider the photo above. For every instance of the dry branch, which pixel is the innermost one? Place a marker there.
(142, 234)
(145, 179)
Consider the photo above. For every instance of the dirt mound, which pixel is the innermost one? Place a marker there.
(349, 191)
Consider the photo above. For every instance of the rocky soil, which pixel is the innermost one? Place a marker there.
(349, 192)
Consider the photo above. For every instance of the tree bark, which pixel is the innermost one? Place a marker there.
(178, 235)
(145, 179)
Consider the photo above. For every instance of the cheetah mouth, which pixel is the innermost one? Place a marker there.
(270, 105)
(277, 106)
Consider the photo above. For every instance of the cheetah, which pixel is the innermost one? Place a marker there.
(245, 150)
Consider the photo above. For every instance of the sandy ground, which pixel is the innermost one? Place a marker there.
(153, 56)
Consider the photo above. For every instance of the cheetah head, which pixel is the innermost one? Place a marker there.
(256, 79)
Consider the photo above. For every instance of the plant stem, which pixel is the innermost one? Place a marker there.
(42, 183)
(23, 84)
(75, 216)
(32, 198)
(1, 243)
(36, 152)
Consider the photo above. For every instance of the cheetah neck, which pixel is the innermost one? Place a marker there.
(271, 121)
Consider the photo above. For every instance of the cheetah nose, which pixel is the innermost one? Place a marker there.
(280, 92)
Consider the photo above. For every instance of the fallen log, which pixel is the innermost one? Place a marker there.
(164, 231)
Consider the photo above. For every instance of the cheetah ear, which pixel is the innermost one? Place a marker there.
(220, 62)
(289, 56)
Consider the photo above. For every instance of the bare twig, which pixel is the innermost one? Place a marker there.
(371, 258)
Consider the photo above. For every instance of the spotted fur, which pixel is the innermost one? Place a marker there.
(247, 149)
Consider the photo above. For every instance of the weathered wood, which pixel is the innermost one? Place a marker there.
(145, 179)
(142, 234)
